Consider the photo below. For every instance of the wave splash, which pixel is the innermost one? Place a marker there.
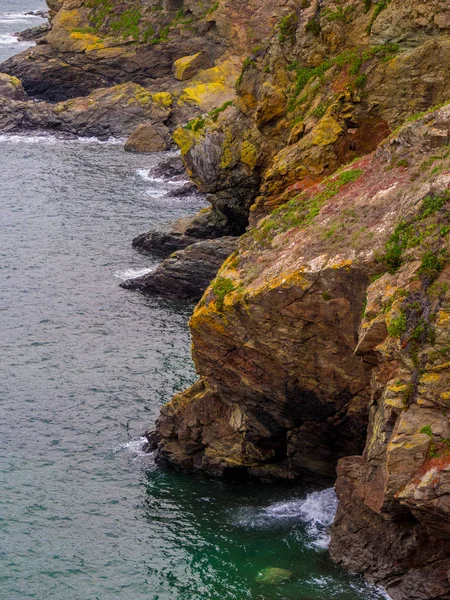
(135, 447)
(132, 273)
(316, 512)
(49, 139)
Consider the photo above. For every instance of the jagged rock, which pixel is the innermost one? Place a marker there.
(146, 138)
(86, 49)
(104, 113)
(33, 33)
(170, 168)
(207, 224)
(186, 273)
(304, 351)
(11, 87)
(308, 103)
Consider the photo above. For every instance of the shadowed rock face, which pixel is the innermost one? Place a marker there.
(326, 331)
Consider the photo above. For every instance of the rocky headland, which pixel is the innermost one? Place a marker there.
(319, 132)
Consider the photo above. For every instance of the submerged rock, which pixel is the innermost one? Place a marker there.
(187, 273)
(274, 576)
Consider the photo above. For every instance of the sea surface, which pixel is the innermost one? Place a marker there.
(84, 514)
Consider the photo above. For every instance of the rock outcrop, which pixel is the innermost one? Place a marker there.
(187, 273)
(328, 331)
(329, 86)
(107, 112)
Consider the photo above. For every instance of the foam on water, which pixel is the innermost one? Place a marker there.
(132, 273)
(135, 447)
(316, 511)
(50, 139)
(145, 175)
(6, 39)
(7, 17)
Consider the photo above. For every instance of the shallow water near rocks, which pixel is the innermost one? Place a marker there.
(86, 365)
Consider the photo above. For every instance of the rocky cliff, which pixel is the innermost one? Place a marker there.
(322, 344)
(326, 335)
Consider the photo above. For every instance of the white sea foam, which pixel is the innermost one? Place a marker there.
(133, 273)
(316, 511)
(50, 139)
(7, 17)
(7, 39)
(135, 447)
(145, 175)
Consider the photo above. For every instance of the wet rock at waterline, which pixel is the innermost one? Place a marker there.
(33, 33)
(187, 273)
(274, 576)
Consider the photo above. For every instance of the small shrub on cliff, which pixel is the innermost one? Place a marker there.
(380, 6)
(287, 27)
(427, 430)
(213, 8)
(222, 286)
(414, 233)
(214, 114)
(127, 24)
(432, 264)
(398, 325)
(302, 210)
(102, 10)
(313, 26)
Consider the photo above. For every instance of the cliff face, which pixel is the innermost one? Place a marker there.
(332, 317)
(333, 81)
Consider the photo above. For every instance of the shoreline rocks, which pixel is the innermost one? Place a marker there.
(186, 273)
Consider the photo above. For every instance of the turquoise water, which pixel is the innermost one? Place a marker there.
(85, 367)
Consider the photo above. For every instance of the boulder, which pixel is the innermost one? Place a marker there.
(11, 87)
(146, 138)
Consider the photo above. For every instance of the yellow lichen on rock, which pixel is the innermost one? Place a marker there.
(327, 131)
(185, 139)
(87, 42)
(163, 98)
(187, 66)
(249, 154)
